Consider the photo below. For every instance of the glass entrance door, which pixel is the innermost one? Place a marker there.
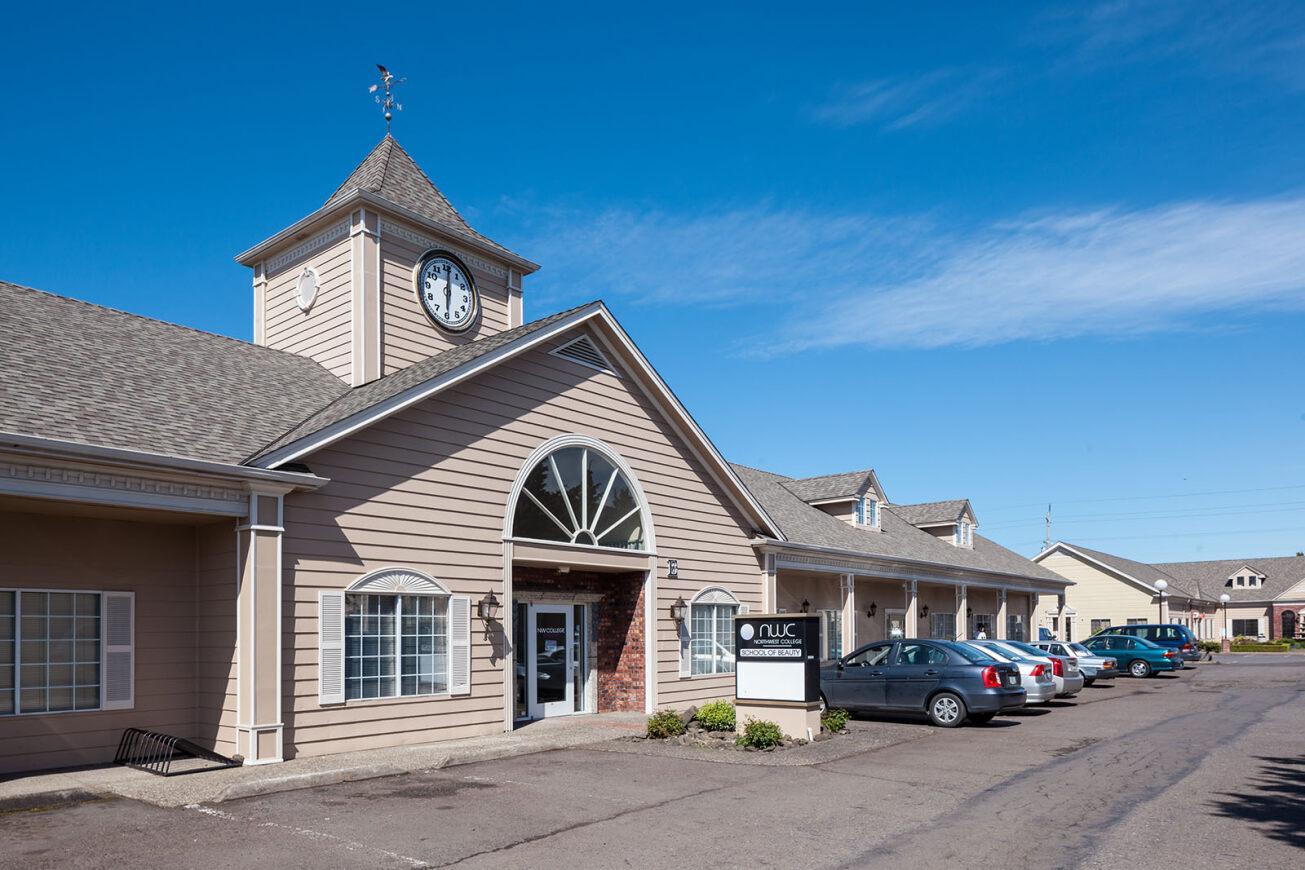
(551, 661)
(894, 624)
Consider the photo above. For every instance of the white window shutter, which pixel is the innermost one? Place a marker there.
(459, 645)
(330, 647)
(118, 667)
(686, 656)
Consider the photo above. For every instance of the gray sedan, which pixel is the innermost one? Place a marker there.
(1069, 680)
(1094, 666)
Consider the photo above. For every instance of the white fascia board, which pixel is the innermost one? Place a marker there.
(932, 572)
(1104, 567)
(366, 197)
(374, 414)
(838, 500)
(32, 445)
(704, 450)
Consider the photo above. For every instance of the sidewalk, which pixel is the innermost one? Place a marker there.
(36, 790)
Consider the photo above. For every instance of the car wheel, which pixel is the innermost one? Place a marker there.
(981, 718)
(1088, 682)
(1139, 668)
(946, 710)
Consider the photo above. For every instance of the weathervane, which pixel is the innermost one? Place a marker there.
(388, 81)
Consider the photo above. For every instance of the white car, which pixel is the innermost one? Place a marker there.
(1069, 681)
(1035, 677)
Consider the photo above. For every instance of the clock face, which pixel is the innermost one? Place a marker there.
(446, 291)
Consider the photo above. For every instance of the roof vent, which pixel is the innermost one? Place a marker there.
(583, 351)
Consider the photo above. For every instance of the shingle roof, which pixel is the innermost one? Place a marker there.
(74, 371)
(1280, 574)
(931, 513)
(389, 172)
(849, 484)
(364, 397)
(803, 524)
(1140, 571)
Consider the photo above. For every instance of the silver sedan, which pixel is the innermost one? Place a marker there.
(1069, 681)
(1035, 677)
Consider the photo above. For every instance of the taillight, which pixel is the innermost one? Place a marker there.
(991, 679)
(1058, 667)
(1038, 670)
(1187, 647)
(1169, 654)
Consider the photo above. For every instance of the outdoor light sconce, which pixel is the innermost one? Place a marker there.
(679, 609)
(806, 606)
(969, 611)
(924, 611)
(487, 607)
(871, 612)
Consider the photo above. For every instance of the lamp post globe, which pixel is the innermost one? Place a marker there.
(1161, 586)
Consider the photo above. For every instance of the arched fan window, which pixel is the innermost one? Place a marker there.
(578, 496)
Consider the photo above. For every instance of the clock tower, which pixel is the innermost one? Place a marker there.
(385, 274)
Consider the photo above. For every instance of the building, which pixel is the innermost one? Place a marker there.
(403, 513)
(1266, 595)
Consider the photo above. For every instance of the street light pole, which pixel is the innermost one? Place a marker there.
(1161, 586)
(1226, 642)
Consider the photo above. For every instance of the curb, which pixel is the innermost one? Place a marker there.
(307, 780)
(48, 800)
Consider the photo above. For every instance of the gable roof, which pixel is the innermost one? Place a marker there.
(83, 373)
(849, 484)
(1280, 574)
(933, 513)
(895, 539)
(1139, 572)
(391, 173)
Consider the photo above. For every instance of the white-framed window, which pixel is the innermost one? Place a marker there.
(1099, 624)
(942, 626)
(963, 529)
(707, 636)
(64, 651)
(1241, 580)
(394, 633)
(576, 495)
(831, 634)
(986, 622)
(1015, 626)
(1136, 621)
(1246, 628)
(867, 511)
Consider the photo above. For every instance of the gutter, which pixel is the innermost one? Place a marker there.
(32, 445)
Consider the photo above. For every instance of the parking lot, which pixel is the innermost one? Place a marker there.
(1206, 768)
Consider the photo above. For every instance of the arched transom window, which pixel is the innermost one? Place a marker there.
(577, 495)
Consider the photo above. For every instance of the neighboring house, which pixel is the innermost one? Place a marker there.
(1266, 595)
(869, 567)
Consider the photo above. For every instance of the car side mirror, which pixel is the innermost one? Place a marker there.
(840, 664)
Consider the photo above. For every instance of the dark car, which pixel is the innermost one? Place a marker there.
(1175, 637)
(949, 682)
(1137, 656)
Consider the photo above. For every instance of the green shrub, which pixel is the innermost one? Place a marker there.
(1210, 645)
(716, 716)
(760, 734)
(663, 724)
(834, 720)
(1259, 647)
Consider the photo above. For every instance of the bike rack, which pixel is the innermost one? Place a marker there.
(154, 753)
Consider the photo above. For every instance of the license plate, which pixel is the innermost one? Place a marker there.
(1010, 680)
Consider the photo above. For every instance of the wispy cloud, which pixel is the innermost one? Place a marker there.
(900, 102)
(888, 283)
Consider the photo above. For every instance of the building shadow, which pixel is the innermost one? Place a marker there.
(1274, 801)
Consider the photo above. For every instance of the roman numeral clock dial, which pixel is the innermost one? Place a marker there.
(447, 291)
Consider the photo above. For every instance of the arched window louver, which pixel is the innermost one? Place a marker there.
(576, 495)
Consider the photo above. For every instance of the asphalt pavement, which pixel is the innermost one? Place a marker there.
(1206, 768)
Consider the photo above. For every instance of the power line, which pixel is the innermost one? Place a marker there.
(1147, 497)
(1194, 513)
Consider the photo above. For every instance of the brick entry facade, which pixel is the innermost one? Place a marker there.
(617, 625)
(1275, 621)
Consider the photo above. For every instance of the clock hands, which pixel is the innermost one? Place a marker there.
(448, 291)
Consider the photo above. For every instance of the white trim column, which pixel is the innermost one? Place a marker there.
(847, 583)
(769, 589)
(510, 651)
(999, 630)
(258, 630)
(651, 607)
(962, 614)
(911, 628)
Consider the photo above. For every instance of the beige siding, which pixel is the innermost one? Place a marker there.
(428, 489)
(157, 562)
(215, 636)
(1096, 594)
(409, 336)
(885, 595)
(324, 331)
(843, 510)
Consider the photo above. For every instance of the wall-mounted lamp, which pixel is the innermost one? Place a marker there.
(679, 610)
(924, 612)
(806, 606)
(969, 611)
(487, 607)
(871, 612)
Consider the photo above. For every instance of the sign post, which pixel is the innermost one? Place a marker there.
(777, 671)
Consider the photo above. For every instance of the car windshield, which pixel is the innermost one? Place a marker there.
(1024, 647)
(1147, 644)
(1079, 648)
(972, 653)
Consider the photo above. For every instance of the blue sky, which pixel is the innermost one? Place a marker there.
(1024, 254)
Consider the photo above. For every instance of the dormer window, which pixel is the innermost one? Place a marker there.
(1241, 581)
(963, 537)
(867, 512)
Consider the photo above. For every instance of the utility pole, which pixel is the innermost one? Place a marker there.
(1047, 544)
